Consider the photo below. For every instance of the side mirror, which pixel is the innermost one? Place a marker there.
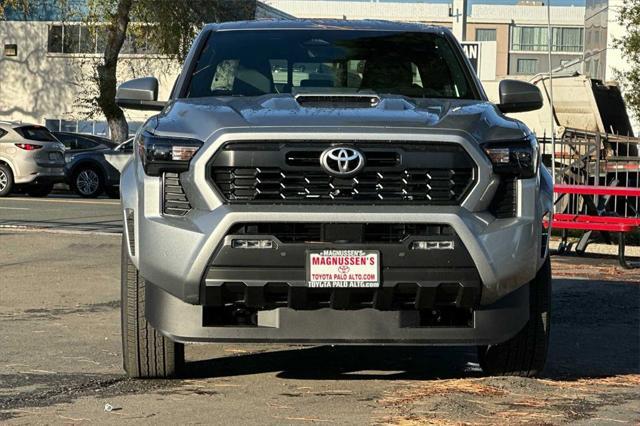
(140, 94)
(519, 96)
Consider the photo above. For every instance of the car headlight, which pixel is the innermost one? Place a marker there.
(515, 158)
(165, 154)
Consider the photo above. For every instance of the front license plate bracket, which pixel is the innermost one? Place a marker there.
(343, 268)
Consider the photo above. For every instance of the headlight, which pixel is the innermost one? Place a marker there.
(162, 154)
(515, 158)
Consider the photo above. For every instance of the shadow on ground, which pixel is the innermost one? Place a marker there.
(595, 332)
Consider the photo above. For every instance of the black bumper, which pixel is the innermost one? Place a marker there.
(276, 277)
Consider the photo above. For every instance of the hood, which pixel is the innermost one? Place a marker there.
(199, 118)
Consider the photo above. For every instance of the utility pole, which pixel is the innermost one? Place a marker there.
(551, 115)
(459, 15)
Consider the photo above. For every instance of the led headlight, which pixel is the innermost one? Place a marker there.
(515, 158)
(163, 154)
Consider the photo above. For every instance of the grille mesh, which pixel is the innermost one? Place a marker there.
(291, 173)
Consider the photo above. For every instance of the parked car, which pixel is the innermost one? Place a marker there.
(385, 210)
(78, 142)
(90, 173)
(31, 159)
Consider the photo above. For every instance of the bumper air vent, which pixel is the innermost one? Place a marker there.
(174, 200)
(131, 234)
(505, 203)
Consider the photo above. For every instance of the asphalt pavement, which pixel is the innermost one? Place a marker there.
(60, 360)
(61, 213)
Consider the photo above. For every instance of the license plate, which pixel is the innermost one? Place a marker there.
(55, 156)
(343, 269)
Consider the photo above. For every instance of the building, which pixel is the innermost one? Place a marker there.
(602, 60)
(46, 68)
(46, 65)
(519, 31)
(601, 57)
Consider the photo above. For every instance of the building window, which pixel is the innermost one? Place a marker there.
(527, 66)
(535, 39)
(486, 34)
(567, 39)
(91, 39)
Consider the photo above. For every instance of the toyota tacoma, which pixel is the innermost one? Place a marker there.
(334, 182)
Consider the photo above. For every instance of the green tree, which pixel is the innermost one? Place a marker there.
(629, 45)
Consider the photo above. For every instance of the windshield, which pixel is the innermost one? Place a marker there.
(253, 63)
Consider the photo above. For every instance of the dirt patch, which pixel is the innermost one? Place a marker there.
(507, 400)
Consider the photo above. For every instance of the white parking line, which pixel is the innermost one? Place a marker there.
(15, 208)
(68, 200)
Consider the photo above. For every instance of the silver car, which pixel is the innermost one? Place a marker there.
(31, 159)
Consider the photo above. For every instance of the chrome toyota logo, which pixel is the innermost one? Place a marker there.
(342, 161)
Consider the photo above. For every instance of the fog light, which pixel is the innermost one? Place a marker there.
(432, 245)
(252, 244)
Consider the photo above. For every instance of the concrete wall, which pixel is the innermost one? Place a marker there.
(395, 11)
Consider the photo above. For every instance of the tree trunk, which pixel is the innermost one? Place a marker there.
(107, 72)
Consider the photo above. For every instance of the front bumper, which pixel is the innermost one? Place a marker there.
(177, 251)
(175, 254)
(182, 322)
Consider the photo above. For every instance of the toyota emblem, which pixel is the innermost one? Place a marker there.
(342, 161)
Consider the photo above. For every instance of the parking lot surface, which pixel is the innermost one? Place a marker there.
(60, 356)
(61, 213)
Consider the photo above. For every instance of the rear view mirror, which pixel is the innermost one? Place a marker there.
(140, 94)
(519, 96)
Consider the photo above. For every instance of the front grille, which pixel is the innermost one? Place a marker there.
(300, 232)
(505, 203)
(174, 199)
(395, 172)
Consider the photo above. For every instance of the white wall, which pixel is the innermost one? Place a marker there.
(36, 85)
(615, 61)
(411, 12)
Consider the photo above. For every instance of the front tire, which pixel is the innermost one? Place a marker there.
(88, 182)
(6, 180)
(526, 353)
(146, 353)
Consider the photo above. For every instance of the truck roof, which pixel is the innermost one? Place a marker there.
(324, 24)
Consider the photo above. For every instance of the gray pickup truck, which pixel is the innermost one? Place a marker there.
(334, 182)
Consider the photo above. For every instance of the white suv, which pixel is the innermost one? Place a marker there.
(31, 158)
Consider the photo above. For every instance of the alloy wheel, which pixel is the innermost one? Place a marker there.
(87, 182)
(4, 180)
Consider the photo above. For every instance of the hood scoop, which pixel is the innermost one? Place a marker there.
(337, 101)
